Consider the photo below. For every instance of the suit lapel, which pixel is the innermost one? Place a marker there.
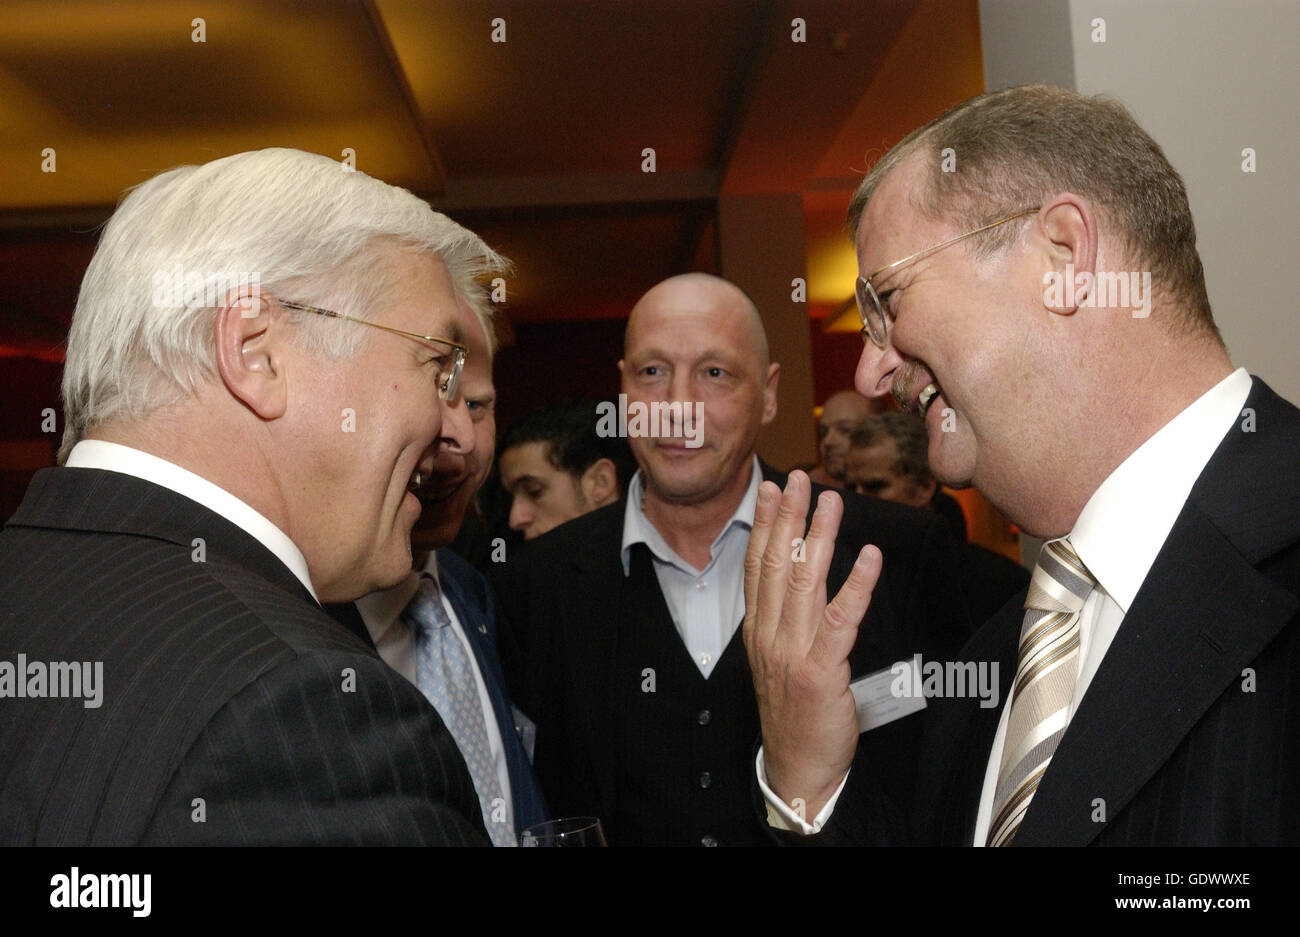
(969, 730)
(1183, 642)
(1203, 613)
(590, 634)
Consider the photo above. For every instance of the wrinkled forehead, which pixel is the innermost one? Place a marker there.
(694, 322)
(893, 225)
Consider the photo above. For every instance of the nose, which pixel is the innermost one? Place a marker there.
(876, 369)
(457, 433)
(520, 516)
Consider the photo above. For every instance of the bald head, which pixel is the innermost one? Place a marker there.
(698, 340)
(737, 319)
(841, 415)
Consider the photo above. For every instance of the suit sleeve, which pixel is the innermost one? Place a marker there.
(324, 748)
(521, 638)
(864, 815)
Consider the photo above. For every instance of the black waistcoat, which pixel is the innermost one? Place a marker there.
(686, 745)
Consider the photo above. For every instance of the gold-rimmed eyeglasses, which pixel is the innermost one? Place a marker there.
(448, 380)
(875, 323)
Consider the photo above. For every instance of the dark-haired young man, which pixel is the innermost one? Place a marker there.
(555, 467)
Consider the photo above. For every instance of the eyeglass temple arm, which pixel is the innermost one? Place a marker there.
(303, 307)
(930, 250)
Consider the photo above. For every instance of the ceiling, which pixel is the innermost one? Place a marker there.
(535, 142)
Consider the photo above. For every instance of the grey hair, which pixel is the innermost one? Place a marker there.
(298, 225)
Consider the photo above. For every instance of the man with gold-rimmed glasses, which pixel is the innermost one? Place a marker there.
(448, 366)
(232, 457)
(1148, 675)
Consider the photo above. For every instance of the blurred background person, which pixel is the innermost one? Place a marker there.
(842, 412)
(555, 466)
(887, 458)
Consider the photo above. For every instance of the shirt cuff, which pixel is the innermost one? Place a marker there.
(781, 816)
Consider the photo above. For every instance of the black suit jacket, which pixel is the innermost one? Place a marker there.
(560, 596)
(233, 711)
(1189, 733)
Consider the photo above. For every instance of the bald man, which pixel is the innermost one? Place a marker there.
(629, 616)
(841, 414)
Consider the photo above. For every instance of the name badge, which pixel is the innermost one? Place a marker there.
(876, 702)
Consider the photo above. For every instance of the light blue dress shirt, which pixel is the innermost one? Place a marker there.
(706, 605)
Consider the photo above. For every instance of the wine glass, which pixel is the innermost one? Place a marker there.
(569, 831)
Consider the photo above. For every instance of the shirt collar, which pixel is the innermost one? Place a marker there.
(114, 457)
(638, 529)
(382, 609)
(1121, 529)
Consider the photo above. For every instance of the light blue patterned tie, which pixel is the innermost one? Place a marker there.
(445, 676)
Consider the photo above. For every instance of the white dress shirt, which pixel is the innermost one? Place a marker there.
(382, 613)
(1118, 535)
(114, 457)
(706, 605)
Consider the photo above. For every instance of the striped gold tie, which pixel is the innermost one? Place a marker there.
(1047, 666)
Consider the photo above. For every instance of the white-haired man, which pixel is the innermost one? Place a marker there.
(255, 378)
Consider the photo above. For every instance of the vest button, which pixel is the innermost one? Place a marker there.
(704, 717)
(708, 840)
(705, 779)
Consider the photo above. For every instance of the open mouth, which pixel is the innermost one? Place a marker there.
(929, 394)
(431, 488)
(421, 476)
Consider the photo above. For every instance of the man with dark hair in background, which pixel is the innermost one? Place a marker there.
(556, 466)
(629, 616)
(887, 459)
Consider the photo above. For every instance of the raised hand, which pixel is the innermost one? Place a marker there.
(798, 645)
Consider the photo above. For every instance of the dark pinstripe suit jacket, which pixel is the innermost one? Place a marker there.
(229, 697)
(1189, 733)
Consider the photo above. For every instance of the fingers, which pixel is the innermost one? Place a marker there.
(805, 595)
(777, 555)
(839, 629)
(769, 497)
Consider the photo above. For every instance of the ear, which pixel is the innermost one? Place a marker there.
(249, 352)
(1070, 229)
(599, 483)
(769, 393)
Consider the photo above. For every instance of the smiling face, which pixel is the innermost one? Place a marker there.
(970, 326)
(463, 453)
(697, 340)
(364, 425)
